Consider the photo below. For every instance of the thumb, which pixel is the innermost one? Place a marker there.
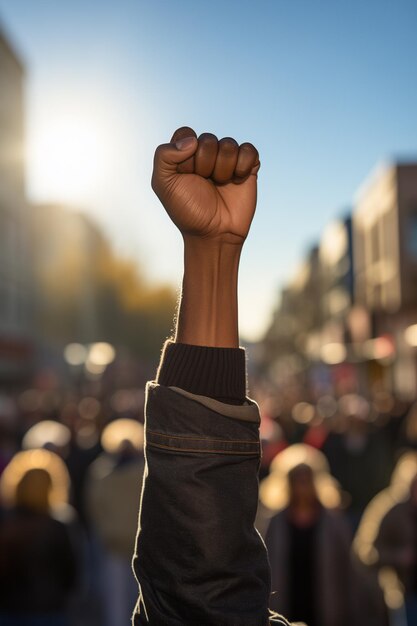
(169, 155)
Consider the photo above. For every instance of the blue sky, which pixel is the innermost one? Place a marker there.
(324, 89)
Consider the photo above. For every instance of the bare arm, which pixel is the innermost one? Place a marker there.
(208, 188)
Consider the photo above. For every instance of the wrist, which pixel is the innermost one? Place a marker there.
(212, 253)
(208, 246)
(208, 313)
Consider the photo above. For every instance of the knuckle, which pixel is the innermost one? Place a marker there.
(248, 148)
(207, 138)
(228, 144)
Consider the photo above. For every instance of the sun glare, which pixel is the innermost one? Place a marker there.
(69, 158)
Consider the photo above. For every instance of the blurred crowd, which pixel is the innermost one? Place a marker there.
(337, 510)
(71, 466)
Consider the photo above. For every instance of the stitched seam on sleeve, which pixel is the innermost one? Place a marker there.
(191, 438)
(201, 450)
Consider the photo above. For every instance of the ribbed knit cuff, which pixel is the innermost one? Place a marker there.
(218, 373)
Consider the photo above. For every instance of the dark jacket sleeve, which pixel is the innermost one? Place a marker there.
(198, 559)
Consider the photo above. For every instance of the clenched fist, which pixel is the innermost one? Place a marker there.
(207, 186)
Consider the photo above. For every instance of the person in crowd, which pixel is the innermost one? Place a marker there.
(62, 439)
(308, 540)
(198, 558)
(386, 546)
(357, 449)
(38, 561)
(113, 514)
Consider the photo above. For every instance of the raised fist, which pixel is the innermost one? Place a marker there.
(207, 186)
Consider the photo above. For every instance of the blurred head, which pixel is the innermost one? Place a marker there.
(50, 435)
(36, 479)
(123, 437)
(302, 488)
(299, 474)
(34, 490)
(127, 449)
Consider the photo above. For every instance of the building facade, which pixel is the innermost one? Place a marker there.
(385, 223)
(349, 319)
(15, 294)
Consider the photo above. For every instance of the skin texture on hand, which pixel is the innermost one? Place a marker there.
(208, 188)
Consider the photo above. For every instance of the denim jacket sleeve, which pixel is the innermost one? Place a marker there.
(198, 559)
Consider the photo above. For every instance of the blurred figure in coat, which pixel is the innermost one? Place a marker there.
(113, 512)
(358, 448)
(386, 544)
(38, 562)
(307, 540)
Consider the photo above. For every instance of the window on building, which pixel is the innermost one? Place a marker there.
(412, 235)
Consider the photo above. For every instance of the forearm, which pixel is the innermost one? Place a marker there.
(208, 311)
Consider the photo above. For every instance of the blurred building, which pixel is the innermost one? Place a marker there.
(87, 293)
(67, 248)
(308, 335)
(336, 261)
(329, 345)
(298, 314)
(348, 320)
(15, 292)
(385, 222)
(334, 293)
(60, 279)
